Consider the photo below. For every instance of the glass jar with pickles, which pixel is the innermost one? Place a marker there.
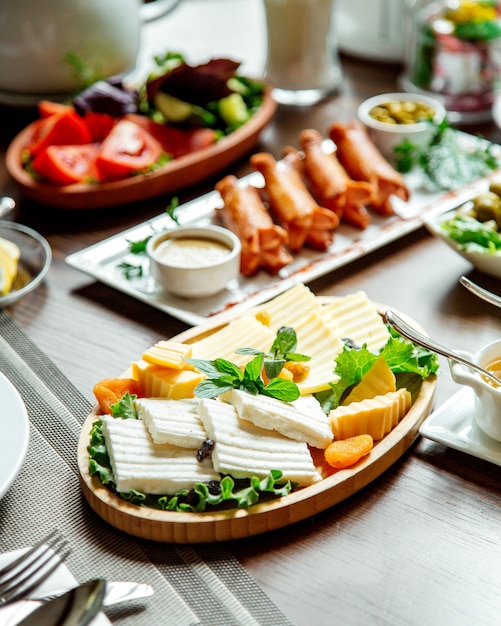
(455, 55)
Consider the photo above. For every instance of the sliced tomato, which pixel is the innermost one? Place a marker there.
(46, 108)
(99, 124)
(59, 129)
(128, 148)
(65, 165)
(176, 141)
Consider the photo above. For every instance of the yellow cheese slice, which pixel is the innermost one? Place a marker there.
(245, 332)
(165, 382)
(316, 338)
(377, 381)
(289, 307)
(374, 416)
(355, 317)
(169, 354)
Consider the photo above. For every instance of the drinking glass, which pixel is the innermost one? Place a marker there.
(302, 62)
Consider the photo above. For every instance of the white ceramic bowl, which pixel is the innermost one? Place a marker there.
(196, 275)
(488, 263)
(386, 136)
(34, 263)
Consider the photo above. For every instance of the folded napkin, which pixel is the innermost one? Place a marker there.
(59, 581)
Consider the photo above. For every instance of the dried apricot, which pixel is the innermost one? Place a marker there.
(346, 452)
(111, 390)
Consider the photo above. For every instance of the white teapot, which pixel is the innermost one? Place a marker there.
(36, 37)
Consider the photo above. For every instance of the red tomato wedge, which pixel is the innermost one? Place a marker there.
(66, 128)
(65, 165)
(175, 141)
(128, 148)
(99, 124)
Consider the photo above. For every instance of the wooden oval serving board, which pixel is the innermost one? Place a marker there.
(167, 526)
(178, 173)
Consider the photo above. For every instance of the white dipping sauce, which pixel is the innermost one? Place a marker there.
(191, 252)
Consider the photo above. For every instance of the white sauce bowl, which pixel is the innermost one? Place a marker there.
(197, 275)
(387, 136)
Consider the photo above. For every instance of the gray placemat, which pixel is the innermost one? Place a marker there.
(202, 584)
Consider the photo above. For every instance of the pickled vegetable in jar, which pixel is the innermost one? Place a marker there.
(455, 54)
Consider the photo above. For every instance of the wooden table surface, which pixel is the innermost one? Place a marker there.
(421, 544)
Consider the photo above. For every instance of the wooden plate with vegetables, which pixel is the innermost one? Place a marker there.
(220, 524)
(168, 143)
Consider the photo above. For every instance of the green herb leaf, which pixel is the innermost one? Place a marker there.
(124, 408)
(282, 389)
(138, 247)
(130, 270)
(213, 387)
(172, 208)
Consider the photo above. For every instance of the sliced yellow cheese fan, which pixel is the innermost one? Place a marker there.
(9, 260)
(373, 416)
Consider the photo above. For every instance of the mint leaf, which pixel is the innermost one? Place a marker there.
(282, 389)
(213, 387)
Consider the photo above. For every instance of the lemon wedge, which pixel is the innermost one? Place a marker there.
(9, 259)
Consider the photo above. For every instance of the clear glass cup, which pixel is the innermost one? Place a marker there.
(454, 54)
(302, 62)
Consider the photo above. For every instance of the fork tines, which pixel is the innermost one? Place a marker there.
(24, 574)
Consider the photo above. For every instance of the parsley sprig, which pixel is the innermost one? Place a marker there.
(138, 247)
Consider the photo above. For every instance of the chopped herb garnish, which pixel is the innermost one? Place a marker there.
(130, 270)
(445, 162)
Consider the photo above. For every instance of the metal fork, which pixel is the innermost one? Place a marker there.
(26, 573)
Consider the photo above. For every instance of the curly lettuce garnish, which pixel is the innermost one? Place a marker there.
(410, 363)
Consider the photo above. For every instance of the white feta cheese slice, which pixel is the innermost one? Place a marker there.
(140, 464)
(302, 419)
(244, 450)
(172, 421)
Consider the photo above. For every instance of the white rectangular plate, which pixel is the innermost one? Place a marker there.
(102, 259)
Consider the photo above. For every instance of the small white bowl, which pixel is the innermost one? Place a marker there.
(485, 262)
(386, 136)
(196, 275)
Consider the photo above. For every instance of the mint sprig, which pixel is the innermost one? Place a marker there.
(281, 351)
(223, 376)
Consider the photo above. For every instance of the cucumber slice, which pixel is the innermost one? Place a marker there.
(233, 109)
(173, 109)
(181, 112)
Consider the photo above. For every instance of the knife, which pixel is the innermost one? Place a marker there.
(116, 592)
(76, 607)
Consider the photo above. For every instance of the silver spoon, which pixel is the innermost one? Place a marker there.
(411, 333)
(488, 296)
(6, 205)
